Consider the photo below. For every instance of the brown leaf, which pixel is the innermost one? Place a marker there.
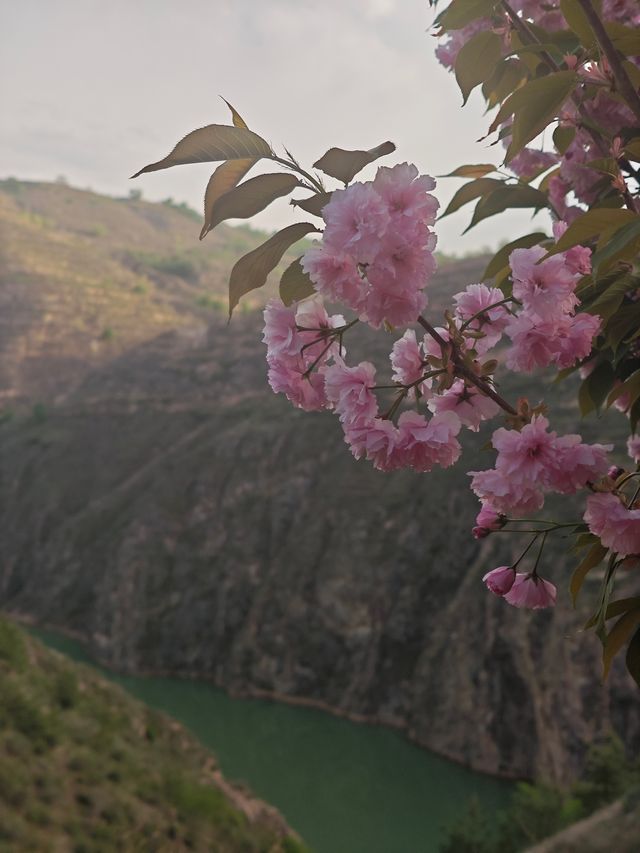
(295, 284)
(313, 204)
(251, 197)
(225, 177)
(210, 143)
(344, 165)
(251, 271)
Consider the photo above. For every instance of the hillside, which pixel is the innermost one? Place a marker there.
(85, 767)
(177, 516)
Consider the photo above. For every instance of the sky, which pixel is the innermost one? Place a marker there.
(93, 90)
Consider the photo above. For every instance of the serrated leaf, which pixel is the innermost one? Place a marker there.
(471, 191)
(509, 196)
(313, 204)
(251, 197)
(543, 99)
(501, 257)
(471, 170)
(251, 271)
(596, 555)
(295, 284)
(476, 60)
(225, 177)
(621, 632)
(609, 300)
(210, 143)
(345, 165)
(459, 13)
(236, 118)
(632, 658)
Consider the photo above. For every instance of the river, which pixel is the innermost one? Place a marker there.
(346, 788)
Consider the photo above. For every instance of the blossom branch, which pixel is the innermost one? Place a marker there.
(625, 86)
(462, 370)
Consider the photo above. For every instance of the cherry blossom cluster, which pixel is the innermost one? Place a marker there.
(547, 331)
(600, 119)
(377, 248)
(532, 462)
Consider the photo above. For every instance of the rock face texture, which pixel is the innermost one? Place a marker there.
(177, 516)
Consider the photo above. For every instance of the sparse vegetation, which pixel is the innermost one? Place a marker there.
(540, 810)
(85, 767)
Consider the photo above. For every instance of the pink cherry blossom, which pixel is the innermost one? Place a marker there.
(539, 343)
(469, 404)
(407, 361)
(576, 464)
(335, 275)
(526, 456)
(489, 518)
(427, 443)
(474, 299)
(287, 377)
(578, 258)
(531, 592)
(507, 497)
(545, 287)
(279, 332)
(407, 194)
(349, 389)
(633, 448)
(529, 163)
(617, 526)
(356, 219)
(499, 581)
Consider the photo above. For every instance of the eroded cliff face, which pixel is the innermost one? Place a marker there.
(177, 516)
(180, 518)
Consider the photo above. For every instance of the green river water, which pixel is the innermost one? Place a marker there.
(346, 788)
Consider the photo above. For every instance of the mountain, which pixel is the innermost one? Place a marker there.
(159, 502)
(86, 767)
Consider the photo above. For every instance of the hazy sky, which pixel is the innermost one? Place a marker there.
(93, 90)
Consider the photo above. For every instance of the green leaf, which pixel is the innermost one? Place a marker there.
(542, 102)
(508, 196)
(621, 324)
(609, 300)
(540, 96)
(345, 165)
(225, 177)
(214, 142)
(507, 77)
(459, 13)
(563, 137)
(625, 39)
(251, 271)
(591, 224)
(615, 608)
(501, 257)
(578, 22)
(469, 191)
(476, 60)
(595, 556)
(623, 244)
(477, 170)
(594, 389)
(630, 386)
(251, 197)
(295, 284)
(621, 632)
(313, 204)
(632, 658)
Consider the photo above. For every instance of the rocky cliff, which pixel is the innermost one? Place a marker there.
(169, 510)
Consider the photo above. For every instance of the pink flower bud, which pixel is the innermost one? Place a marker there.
(499, 581)
(615, 471)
